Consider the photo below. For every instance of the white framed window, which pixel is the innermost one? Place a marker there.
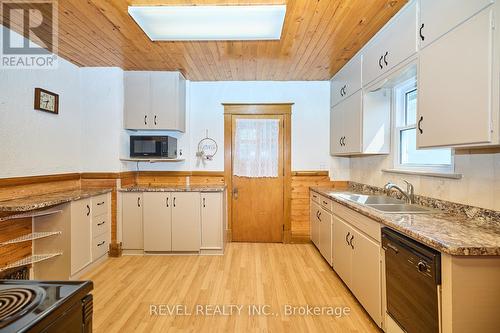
(407, 157)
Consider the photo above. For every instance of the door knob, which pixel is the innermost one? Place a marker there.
(235, 193)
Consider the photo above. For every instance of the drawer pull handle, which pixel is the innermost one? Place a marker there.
(347, 238)
(101, 243)
(325, 203)
(103, 222)
(88, 210)
(100, 203)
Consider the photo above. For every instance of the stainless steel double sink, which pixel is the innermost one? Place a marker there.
(385, 204)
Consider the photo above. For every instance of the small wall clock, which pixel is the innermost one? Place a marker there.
(46, 101)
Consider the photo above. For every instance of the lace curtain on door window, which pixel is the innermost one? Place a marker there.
(256, 148)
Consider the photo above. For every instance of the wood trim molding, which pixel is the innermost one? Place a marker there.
(256, 109)
(284, 109)
(475, 151)
(310, 173)
(100, 175)
(179, 173)
(30, 180)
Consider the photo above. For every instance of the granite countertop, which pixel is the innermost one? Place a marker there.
(445, 232)
(179, 188)
(27, 204)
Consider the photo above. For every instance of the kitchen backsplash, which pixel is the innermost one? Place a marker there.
(479, 185)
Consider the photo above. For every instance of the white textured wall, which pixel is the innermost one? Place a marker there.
(310, 120)
(480, 185)
(35, 142)
(102, 118)
(84, 136)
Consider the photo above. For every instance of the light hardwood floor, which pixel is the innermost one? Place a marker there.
(263, 274)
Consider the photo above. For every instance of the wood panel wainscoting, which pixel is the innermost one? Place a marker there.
(18, 187)
(301, 182)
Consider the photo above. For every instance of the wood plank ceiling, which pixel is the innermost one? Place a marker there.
(318, 38)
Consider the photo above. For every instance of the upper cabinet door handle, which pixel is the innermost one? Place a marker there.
(422, 37)
(385, 58)
(420, 125)
(380, 62)
(155, 119)
(145, 120)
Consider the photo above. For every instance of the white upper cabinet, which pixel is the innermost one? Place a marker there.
(394, 44)
(361, 124)
(345, 136)
(155, 101)
(347, 81)
(456, 85)
(137, 103)
(437, 17)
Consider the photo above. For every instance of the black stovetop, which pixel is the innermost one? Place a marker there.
(50, 299)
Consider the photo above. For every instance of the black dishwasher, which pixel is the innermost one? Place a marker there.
(413, 274)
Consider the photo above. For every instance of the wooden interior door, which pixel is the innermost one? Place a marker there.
(258, 203)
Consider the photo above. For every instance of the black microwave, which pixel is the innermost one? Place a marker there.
(153, 146)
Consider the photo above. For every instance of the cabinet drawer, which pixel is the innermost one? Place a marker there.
(100, 246)
(326, 203)
(315, 197)
(100, 225)
(100, 205)
(363, 223)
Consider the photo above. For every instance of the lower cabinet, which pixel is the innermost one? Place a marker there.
(157, 219)
(81, 235)
(212, 213)
(315, 223)
(132, 232)
(342, 251)
(325, 234)
(186, 221)
(173, 221)
(90, 231)
(357, 262)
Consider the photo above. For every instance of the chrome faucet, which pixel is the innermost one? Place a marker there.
(409, 194)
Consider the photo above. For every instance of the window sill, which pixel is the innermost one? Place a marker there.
(425, 173)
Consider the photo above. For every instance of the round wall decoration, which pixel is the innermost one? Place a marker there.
(207, 148)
